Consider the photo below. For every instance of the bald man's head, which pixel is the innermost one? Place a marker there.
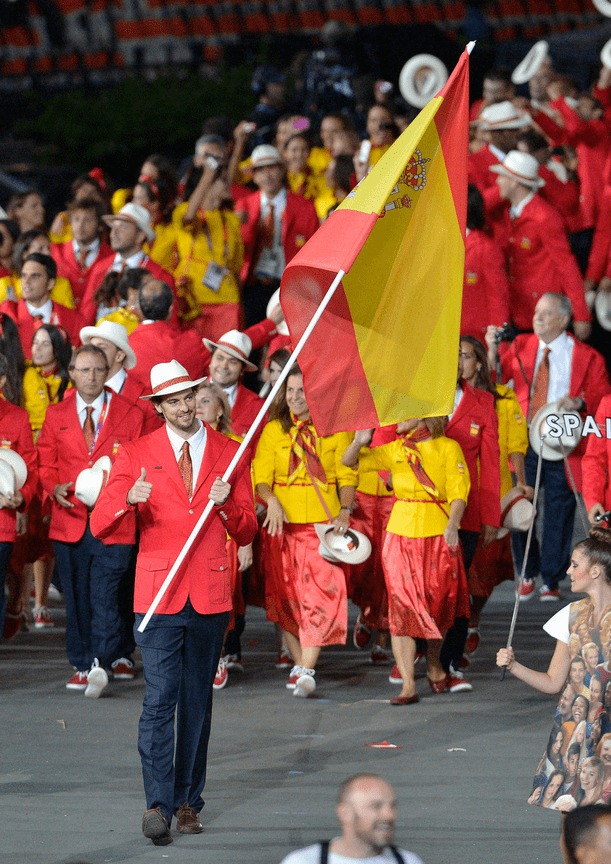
(367, 812)
(155, 299)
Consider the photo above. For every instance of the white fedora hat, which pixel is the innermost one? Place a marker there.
(236, 344)
(421, 78)
(503, 115)
(604, 7)
(349, 548)
(134, 213)
(274, 300)
(605, 54)
(531, 64)
(265, 154)
(17, 464)
(91, 481)
(170, 378)
(552, 445)
(516, 512)
(522, 167)
(113, 332)
(7, 479)
(602, 305)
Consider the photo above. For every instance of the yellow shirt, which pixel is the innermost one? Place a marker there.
(123, 316)
(305, 184)
(319, 159)
(38, 393)
(119, 199)
(513, 432)
(300, 500)
(66, 232)
(323, 203)
(61, 291)
(222, 243)
(444, 463)
(376, 154)
(163, 250)
(370, 481)
(7, 288)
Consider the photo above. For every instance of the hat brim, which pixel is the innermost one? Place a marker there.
(548, 445)
(7, 479)
(176, 388)
(87, 333)
(531, 64)
(604, 7)
(602, 305)
(605, 54)
(89, 485)
(264, 163)
(360, 554)
(17, 463)
(534, 184)
(274, 300)
(407, 79)
(228, 350)
(519, 123)
(150, 233)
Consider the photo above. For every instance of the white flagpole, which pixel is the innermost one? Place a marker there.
(247, 438)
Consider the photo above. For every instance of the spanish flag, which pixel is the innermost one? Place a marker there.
(386, 346)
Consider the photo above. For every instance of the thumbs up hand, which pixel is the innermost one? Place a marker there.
(140, 491)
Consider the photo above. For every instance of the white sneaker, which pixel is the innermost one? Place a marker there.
(305, 684)
(296, 671)
(54, 594)
(97, 680)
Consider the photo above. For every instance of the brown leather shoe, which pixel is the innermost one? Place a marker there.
(155, 826)
(187, 820)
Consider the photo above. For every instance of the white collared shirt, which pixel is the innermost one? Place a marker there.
(117, 381)
(92, 252)
(516, 209)
(457, 400)
(197, 445)
(46, 310)
(139, 259)
(231, 393)
(82, 406)
(560, 362)
(271, 262)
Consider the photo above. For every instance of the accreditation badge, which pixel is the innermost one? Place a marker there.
(214, 275)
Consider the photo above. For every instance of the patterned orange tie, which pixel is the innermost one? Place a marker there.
(268, 228)
(540, 387)
(82, 258)
(88, 429)
(185, 466)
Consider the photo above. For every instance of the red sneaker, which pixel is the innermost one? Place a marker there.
(123, 670)
(78, 681)
(42, 618)
(378, 655)
(234, 662)
(549, 595)
(527, 589)
(284, 661)
(395, 675)
(456, 683)
(472, 642)
(220, 679)
(362, 634)
(296, 672)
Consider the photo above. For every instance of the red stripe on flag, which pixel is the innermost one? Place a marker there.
(452, 124)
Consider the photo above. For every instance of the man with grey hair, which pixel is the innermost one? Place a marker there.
(367, 812)
(550, 365)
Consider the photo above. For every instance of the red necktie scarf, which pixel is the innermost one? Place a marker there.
(410, 445)
(303, 452)
(185, 466)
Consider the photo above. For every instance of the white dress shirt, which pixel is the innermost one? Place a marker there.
(516, 209)
(197, 445)
(560, 362)
(457, 400)
(46, 310)
(137, 260)
(231, 393)
(117, 381)
(82, 406)
(92, 252)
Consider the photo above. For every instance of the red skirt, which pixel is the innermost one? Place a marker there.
(427, 586)
(310, 599)
(366, 585)
(491, 566)
(35, 544)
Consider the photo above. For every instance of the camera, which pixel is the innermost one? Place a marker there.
(212, 163)
(504, 333)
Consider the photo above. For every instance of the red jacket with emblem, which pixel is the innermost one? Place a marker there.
(69, 319)
(485, 298)
(16, 434)
(68, 266)
(168, 517)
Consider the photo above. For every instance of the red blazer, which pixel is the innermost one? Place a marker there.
(62, 455)
(599, 262)
(99, 270)
(540, 260)
(596, 461)
(563, 197)
(16, 434)
(159, 342)
(474, 425)
(67, 266)
(485, 298)
(167, 518)
(69, 319)
(479, 168)
(589, 380)
(299, 222)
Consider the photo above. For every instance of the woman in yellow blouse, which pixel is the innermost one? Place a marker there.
(210, 252)
(297, 475)
(423, 567)
(302, 180)
(158, 197)
(494, 563)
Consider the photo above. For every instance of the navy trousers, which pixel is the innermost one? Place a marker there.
(6, 550)
(90, 574)
(552, 558)
(180, 654)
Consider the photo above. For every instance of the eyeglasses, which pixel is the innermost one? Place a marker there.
(89, 370)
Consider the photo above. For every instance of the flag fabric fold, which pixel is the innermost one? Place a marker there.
(386, 346)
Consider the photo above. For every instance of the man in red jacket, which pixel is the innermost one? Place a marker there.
(276, 224)
(503, 124)
(169, 476)
(75, 434)
(76, 258)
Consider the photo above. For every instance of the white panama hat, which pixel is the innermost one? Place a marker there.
(7, 479)
(91, 481)
(421, 78)
(169, 378)
(352, 547)
(521, 167)
(236, 344)
(531, 64)
(134, 213)
(263, 155)
(604, 7)
(12, 458)
(113, 332)
(602, 305)
(540, 431)
(503, 115)
(605, 54)
(274, 300)
(516, 512)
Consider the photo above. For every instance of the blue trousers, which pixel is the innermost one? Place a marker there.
(552, 558)
(6, 550)
(90, 574)
(180, 654)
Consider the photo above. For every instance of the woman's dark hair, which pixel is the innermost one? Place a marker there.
(596, 548)
(343, 171)
(10, 347)
(22, 244)
(303, 135)
(280, 410)
(483, 380)
(579, 827)
(18, 200)
(62, 351)
(552, 739)
(12, 227)
(133, 278)
(436, 426)
(557, 772)
(162, 191)
(585, 699)
(107, 294)
(281, 356)
(476, 213)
